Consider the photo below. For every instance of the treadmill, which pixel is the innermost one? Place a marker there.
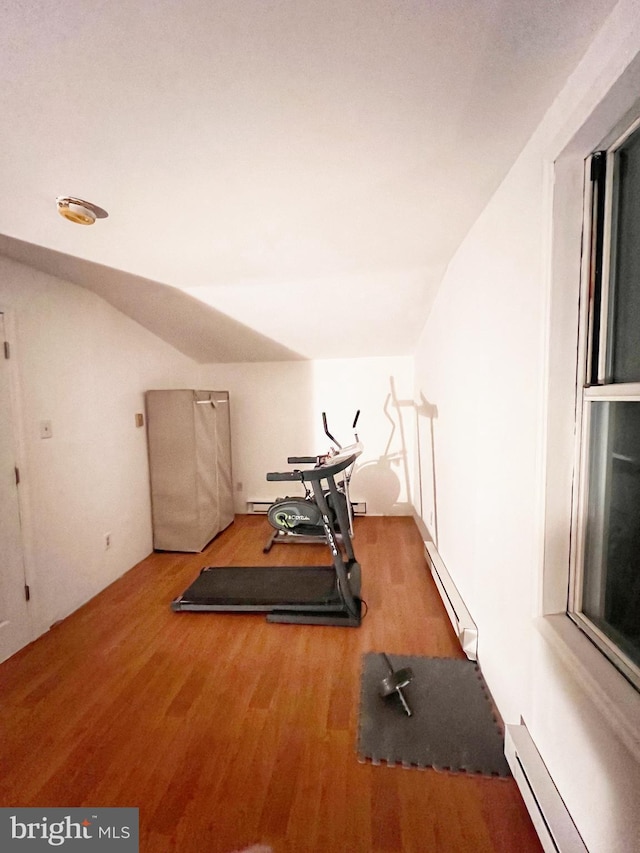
(306, 595)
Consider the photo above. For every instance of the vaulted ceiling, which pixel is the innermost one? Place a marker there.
(284, 178)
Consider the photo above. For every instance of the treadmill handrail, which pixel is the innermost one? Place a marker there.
(321, 472)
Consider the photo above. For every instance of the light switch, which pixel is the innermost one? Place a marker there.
(46, 430)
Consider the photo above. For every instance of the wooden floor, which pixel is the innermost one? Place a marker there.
(227, 731)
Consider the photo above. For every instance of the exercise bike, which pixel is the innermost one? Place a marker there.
(298, 520)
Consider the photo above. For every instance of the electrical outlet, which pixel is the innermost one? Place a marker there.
(107, 541)
(238, 486)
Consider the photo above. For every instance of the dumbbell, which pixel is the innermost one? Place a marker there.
(395, 681)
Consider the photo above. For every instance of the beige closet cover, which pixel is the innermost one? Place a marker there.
(185, 454)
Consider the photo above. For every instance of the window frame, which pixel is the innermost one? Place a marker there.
(594, 382)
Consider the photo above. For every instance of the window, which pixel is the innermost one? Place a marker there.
(605, 577)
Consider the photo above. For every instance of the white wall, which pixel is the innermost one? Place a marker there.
(481, 369)
(276, 412)
(84, 366)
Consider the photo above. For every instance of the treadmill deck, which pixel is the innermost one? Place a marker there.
(262, 588)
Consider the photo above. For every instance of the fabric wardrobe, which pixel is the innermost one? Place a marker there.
(189, 438)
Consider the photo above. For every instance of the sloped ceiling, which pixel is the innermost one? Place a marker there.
(284, 178)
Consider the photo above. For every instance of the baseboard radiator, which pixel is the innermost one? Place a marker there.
(553, 823)
(463, 624)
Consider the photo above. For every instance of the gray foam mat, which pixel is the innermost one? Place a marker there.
(452, 726)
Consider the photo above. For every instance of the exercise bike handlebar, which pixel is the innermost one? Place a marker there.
(321, 472)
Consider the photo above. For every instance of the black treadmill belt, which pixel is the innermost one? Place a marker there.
(261, 588)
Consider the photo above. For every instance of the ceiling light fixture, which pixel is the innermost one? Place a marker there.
(79, 211)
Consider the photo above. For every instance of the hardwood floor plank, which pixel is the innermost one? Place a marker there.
(386, 816)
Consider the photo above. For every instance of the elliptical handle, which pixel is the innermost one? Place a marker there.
(355, 420)
(327, 433)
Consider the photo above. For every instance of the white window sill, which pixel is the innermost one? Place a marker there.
(609, 691)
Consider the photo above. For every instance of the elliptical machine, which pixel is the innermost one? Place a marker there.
(298, 520)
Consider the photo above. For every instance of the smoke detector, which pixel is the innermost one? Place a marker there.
(79, 211)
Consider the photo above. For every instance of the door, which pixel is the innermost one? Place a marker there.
(15, 631)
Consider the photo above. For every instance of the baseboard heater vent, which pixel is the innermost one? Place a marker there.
(258, 507)
(463, 624)
(552, 821)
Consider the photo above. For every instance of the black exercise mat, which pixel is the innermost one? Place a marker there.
(452, 726)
